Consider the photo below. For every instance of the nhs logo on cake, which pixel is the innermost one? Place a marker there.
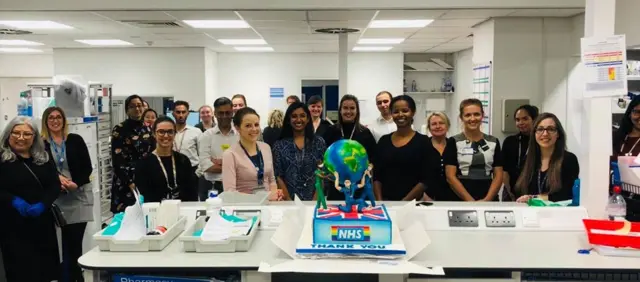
(351, 233)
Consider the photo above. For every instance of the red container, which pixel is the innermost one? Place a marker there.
(601, 232)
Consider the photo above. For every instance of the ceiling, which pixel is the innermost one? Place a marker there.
(285, 31)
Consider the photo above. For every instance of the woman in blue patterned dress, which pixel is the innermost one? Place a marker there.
(131, 141)
(297, 153)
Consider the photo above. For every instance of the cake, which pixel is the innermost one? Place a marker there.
(372, 226)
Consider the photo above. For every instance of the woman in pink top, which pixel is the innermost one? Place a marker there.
(247, 166)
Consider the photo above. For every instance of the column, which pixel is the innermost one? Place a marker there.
(595, 147)
(343, 53)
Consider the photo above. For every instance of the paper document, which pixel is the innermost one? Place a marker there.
(220, 229)
(133, 226)
(605, 62)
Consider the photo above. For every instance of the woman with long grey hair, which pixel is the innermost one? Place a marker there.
(29, 185)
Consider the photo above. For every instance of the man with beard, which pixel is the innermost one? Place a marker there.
(186, 139)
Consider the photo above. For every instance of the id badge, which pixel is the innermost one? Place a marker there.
(467, 151)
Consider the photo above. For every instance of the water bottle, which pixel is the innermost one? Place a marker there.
(616, 207)
(214, 203)
(414, 86)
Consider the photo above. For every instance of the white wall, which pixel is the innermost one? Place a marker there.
(253, 75)
(462, 81)
(210, 77)
(26, 65)
(178, 72)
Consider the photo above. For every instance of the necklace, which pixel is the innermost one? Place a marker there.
(541, 181)
(175, 144)
(166, 176)
(632, 147)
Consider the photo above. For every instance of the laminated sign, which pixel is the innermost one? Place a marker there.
(138, 278)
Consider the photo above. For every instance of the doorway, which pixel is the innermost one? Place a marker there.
(327, 89)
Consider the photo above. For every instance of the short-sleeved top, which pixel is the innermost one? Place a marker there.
(514, 150)
(296, 167)
(400, 169)
(569, 172)
(212, 144)
(475, 162)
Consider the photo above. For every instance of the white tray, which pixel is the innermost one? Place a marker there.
(144, 244)
(242, 199)
(616, 252)
(234, 244)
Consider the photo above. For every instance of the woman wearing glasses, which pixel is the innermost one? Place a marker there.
(30, 185)
(131, 141)
(70, 154)
(550, 170)
(166, 174)
(627, 137)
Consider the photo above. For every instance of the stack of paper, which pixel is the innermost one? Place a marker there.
(219, 229)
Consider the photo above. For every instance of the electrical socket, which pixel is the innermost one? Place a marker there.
(463, 218)
(500, 219)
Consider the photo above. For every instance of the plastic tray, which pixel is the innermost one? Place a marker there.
(241, 199)
(231, 245)
(145, 244)
(602, 233)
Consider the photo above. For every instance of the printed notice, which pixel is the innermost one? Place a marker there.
(605, 61)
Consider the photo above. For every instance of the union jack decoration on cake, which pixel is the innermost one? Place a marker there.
(334, 213)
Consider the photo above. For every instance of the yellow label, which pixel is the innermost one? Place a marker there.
(225, 147)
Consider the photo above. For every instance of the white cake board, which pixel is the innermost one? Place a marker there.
(305, 248)
(288, 234)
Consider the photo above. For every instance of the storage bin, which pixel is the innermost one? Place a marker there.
(144, 244)
(234, 244)
(241, 199)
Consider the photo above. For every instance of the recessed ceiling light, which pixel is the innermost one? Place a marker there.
(242, 41)
(372, 48)
(380, 41)
(399, 23)
(35, 24)
(217, 23)
(18, 42)
(105, 42)
(19, 50)
(254, 49)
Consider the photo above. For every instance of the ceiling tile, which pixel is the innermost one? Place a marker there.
(476, 14)
(329, 24)
(274, 15)
(456, 23)
(284, 30)
(389, 33)
(341, 15)
(233, 33)
(137, 15)
(409, 14)
(277, 24)
(50, 16)
(203, 15)
(546, 12)
(434, 41)
(449, 31)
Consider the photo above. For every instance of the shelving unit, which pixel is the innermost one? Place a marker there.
(103, 107)
(426, 93)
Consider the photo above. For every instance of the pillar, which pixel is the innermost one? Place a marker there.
(343, 53)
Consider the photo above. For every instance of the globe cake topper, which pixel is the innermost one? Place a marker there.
(346, 163)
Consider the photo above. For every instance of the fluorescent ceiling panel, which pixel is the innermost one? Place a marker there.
(217, 23)
(18, 42)
(399, 23)
(370, 41)
(372, 48)
(105, 42)
(35, 25)
(19, 50)
(254, 49)
(242, 41)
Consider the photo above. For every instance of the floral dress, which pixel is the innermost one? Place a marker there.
(130, 142)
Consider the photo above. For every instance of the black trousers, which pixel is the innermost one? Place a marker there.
(205, 185)
(72, 235)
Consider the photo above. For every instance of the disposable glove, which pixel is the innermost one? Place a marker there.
(20, 205)
(36, 210)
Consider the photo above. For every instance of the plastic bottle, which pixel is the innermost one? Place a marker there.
(214, 205)
(616, 207)
(23, 104)
(414, 86)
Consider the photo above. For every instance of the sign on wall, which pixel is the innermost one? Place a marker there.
(482, 90)
(276, 99)
(605, 64)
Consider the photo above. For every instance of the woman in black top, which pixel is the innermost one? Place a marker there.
(438, 189)
(349, 127)
(320, 125)
(473, 160)
(130, 142)
(29, 185)
(166, 174)
(272, 132)
(401, 165)
(71, 156)
(550, 170)
(627, 138)
(515, 147)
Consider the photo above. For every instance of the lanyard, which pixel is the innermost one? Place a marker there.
(352, 131)
(175, 144)
(541, 181)
(164, 170)
(630, 150)
(59, 156)
(520, 151)
(259, 164)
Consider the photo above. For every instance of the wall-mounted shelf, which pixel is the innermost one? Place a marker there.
(426, 93)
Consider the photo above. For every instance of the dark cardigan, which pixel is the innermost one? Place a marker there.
(77, 157)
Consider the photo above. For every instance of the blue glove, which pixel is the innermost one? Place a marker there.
(20, 205)
(36, 210)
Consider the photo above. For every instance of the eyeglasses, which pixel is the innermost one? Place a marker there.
(24, 135)
(163, 132)
(550, 130)
(52, 118)
(136, 106)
